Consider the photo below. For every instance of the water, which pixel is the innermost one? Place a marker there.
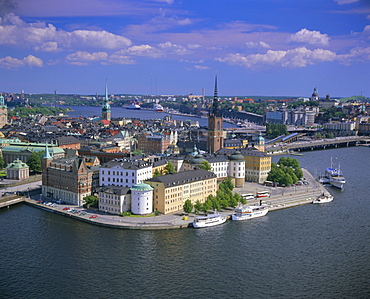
(311, 251)
(87, 111)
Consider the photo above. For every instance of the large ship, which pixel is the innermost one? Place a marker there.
(209, 220)
(244, 212)
(334, 177)
(133, 106)
(158, 108)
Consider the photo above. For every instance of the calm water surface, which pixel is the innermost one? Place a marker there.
(312, 251)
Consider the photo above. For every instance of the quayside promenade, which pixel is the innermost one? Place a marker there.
(280, 198)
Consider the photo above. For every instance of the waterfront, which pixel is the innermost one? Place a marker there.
(311, 251)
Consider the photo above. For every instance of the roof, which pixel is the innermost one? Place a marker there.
(141, 187)
(127, 164)
(32, 147)
(182, 178)
(17, 164)
(244, 151)
(118, 190)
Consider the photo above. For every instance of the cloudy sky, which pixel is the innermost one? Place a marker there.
(257, 47)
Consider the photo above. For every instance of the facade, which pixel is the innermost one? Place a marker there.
(3, 112)
(124, 173)
(141, 199)
(172, 190)
(215, 132)
(69, 179)
(17, 170)
(301, 116)
(340, 126)
(150, 143)
(114, 199)
(23, 151)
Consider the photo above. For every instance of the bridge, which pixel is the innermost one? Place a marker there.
(319, 144)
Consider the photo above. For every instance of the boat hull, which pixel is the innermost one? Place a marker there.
(209, 222)
(249, 214)
(323, 199)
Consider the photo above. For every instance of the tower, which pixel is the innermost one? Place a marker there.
(45, 162)
(105, 110)
(315, 95)
(215, 132)
(3, 112)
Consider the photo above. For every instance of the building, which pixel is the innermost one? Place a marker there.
(17, 170)
(124, 172)
(171, 191)
(114, 199)
(216, 135)
(150, 143)
(3, 112)
(69, 179)
(315, 95)
(23, 151)
(105, 110)
(257, 163)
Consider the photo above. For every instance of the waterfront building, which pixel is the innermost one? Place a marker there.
(17, 170)
(69, 179)
(216, 135)
(172, 190)
(23, 150)
(3, 112)
(141, 199)
(124, 172)
(114, 199)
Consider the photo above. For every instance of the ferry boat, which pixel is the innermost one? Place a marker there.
(334, 177)
(324, 198)
(133, 106)
(158, 108)
(209, 220)
(244, 212)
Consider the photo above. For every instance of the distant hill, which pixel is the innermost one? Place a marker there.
(355, 98)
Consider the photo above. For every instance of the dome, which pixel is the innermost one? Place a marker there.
(197, 160)
(237, 156)
(141, 187)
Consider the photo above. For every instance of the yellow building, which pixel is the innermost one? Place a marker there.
(171, 191)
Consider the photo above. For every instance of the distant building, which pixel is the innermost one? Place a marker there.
(315, 95)
(150, 143)
(105, 111)
(3, 112)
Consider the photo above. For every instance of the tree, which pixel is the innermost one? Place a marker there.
(188, 206)
(91, 201)
(137, 152)
(169, 168)
(34, 161)
(2, 162)
(156, 173)
(226, 185)
(198, 206)
(207, 205)
(205, 166)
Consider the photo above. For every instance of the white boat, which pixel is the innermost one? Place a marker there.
(158, 108)
(209, 220)
(244, 212)
(334, 176)
(133, 106)
(324, 198)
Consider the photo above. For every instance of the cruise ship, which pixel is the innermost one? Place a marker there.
(133, 106)
(158, 108)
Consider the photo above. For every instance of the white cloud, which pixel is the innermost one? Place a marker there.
(201, 67)
(10, 62)
(46, 37)
(142, 50)
(171, 48)
(299, 57)
(83, 56)
(310, 37)
(259, 44)
(120, 58)
(341, 2)
(186, 21)
(166, 1)
(193, 46)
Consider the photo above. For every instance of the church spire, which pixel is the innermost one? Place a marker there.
(47, 153)
(215, 109)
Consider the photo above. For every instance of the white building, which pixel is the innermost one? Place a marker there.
(114, 200)
(124, 173)
(141, 199)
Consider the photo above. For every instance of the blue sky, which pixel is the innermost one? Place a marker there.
(257, 47)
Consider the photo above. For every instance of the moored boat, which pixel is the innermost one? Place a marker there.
(244, 212)
(133, 106)
(324, 198)
(334, 176)
(158, 108)
(209, 220)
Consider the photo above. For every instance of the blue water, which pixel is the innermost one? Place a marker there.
(311, 251)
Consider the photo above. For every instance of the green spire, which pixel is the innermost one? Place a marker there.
(47, 153)
(106, 106)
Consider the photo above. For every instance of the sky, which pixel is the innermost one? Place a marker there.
(176, 47)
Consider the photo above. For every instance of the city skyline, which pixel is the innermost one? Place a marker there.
(257, 48)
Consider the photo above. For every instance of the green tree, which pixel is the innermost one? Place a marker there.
(156, 173)
(226, 185)
(34, 161)
(207, 205)
(2, 162)
(91, 201)
(169, 168)
(137, 152)
(206, 166)
(198, 207)
(188, 206)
